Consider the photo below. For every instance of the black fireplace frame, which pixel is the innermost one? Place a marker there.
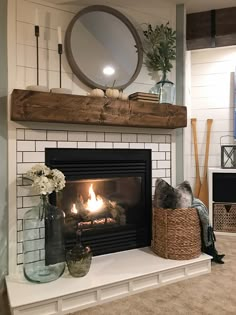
(78, 164)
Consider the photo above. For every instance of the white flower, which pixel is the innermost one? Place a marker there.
(59, 179)
(38, 170)
(45, 180)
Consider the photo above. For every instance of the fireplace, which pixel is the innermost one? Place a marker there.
(107, 196)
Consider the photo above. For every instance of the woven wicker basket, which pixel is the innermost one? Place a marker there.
(176, 233)
(224, 217)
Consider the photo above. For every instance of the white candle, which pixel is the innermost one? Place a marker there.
(59, 35)
(36, 17)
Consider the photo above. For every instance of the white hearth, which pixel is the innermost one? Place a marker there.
(110, 277)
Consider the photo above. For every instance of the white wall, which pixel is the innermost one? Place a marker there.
(211, 86)
(3, 142)
(22, 72)
(52, 16)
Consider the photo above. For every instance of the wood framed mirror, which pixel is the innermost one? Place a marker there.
(103, 48)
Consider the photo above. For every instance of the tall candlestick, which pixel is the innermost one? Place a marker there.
(36, 22)
(60, 50)
(59, 35)
(36, 33)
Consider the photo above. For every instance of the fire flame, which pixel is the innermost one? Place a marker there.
(94, 203)
(74, 209)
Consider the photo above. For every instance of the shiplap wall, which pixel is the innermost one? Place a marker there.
(3, 144)
(50, 17)
(22, 72)
(212, 84)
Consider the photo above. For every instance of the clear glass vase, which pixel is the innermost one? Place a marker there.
(43, 242)
(165, 89)
(79, 258)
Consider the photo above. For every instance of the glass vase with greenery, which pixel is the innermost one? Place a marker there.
(160, 51)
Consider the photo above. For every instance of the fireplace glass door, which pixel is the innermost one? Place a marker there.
(107, 198)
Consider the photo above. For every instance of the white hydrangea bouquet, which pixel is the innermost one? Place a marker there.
(46, 180)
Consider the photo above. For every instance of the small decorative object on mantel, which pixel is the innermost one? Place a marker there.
(228, 153)
(112, 93)
(37, 87)
(60, 51)
(123, 96)
(144, 97)
(43, 241)
(97, 93)
(159, 48)
(79, 258)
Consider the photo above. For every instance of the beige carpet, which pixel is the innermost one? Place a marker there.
(213, 294)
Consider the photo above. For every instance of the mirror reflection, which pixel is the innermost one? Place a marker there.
(103, 48)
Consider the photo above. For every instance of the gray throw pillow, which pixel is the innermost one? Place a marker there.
(184, 195)
(166, 196)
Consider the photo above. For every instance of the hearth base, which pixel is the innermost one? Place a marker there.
(111, 277)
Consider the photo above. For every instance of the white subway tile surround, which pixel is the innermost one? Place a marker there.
(32, 142)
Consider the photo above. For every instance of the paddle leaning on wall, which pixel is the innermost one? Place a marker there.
(201, 186)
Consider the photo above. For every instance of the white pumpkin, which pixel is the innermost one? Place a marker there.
(123, 96)
(97, 93)
(113, 93)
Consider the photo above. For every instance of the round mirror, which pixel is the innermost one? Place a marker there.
(103, 48)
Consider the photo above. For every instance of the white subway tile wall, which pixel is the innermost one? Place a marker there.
(32, 143)
(77, 136)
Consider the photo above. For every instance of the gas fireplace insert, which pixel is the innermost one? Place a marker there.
(107, 196)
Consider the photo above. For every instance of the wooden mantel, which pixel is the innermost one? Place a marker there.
(35, 106)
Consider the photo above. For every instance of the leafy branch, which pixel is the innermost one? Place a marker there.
(159, 47)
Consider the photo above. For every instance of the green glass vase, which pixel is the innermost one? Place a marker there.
(79, 258)
(43, 242)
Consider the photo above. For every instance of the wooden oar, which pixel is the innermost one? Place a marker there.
(198, 179)
(203, 194)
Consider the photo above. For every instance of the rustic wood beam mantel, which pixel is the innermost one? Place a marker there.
(35, 106)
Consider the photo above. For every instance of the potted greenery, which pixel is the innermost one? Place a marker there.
(160, 51)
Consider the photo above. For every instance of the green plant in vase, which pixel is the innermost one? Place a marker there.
(160, 51)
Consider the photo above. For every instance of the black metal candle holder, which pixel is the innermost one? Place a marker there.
(36, 33)
(60, 50)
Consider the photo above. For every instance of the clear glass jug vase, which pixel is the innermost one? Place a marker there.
(43, 242)
(165, 89)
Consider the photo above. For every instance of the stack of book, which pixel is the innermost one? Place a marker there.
(144, 97)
